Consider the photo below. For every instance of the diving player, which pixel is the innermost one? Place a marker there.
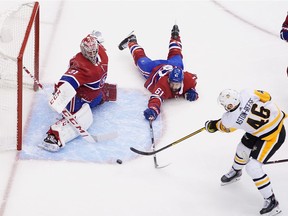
(165, 79)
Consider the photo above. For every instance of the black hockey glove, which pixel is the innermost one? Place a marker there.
(210, 126)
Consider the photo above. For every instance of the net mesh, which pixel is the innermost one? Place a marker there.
(13, 27)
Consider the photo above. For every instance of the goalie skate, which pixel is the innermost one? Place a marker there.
(231, 176)
(50, 143)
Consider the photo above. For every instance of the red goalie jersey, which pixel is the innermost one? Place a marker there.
(87, 78)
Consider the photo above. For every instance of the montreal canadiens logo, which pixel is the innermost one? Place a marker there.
(103, 80)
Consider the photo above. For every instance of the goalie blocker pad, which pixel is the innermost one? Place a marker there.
(61, 97)
(65, 131)
(109, 92)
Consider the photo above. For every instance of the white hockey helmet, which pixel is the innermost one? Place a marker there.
(89, 48)
(229, 99)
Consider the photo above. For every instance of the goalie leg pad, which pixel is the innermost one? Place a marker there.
(109, 92)
(67, 132)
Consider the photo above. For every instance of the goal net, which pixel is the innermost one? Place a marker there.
(19, 47)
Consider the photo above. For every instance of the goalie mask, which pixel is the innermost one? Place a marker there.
(89, 48)
(229, 99)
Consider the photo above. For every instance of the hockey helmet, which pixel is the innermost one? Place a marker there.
(176, 75)
(89, 48)
(229, 99)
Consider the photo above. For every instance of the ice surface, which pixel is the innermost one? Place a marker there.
(223, 50)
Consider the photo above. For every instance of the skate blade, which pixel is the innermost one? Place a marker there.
(161, 167)
(275, 211)
(232, 181)
(48, 147)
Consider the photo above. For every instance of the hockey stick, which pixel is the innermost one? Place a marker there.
(167, 146)
(153, 147)
(70, 118)
(153, 143)
(277, 161)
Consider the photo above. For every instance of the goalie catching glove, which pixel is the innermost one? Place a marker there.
(98, 36)
(211, 126)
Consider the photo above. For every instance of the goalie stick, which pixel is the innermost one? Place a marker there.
(70, 118)
(167, 146)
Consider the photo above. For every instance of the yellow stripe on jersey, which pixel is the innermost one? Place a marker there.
(266, 148)
(222, 128)
(272, 135)
(264, 96)
(269, 124)
(269, 144)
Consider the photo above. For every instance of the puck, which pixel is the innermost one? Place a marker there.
(119, 161)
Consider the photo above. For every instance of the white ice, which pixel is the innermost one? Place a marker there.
(235, 48)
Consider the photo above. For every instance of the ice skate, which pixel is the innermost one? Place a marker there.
(271, 207)
(50, 143)
(130, 38)
(175, 32)
(231, 176)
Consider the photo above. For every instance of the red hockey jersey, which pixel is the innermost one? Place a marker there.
(158, 85)
(85, 77)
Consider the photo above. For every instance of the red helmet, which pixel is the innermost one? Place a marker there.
(89, 48)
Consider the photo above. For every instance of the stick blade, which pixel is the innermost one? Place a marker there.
(104, 137)
(141, 152)
(163, 166)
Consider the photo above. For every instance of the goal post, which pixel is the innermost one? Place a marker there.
(19, 47)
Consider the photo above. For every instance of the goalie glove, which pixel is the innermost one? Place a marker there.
(211, 126)
(98, 36)
(109, 92)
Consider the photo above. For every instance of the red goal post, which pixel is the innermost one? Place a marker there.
(19, 47)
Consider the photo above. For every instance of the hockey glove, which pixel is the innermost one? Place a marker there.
(98, 36)
(191, 95)
(150, 114)
(284, 30)
(210, 126)
(284, 34)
